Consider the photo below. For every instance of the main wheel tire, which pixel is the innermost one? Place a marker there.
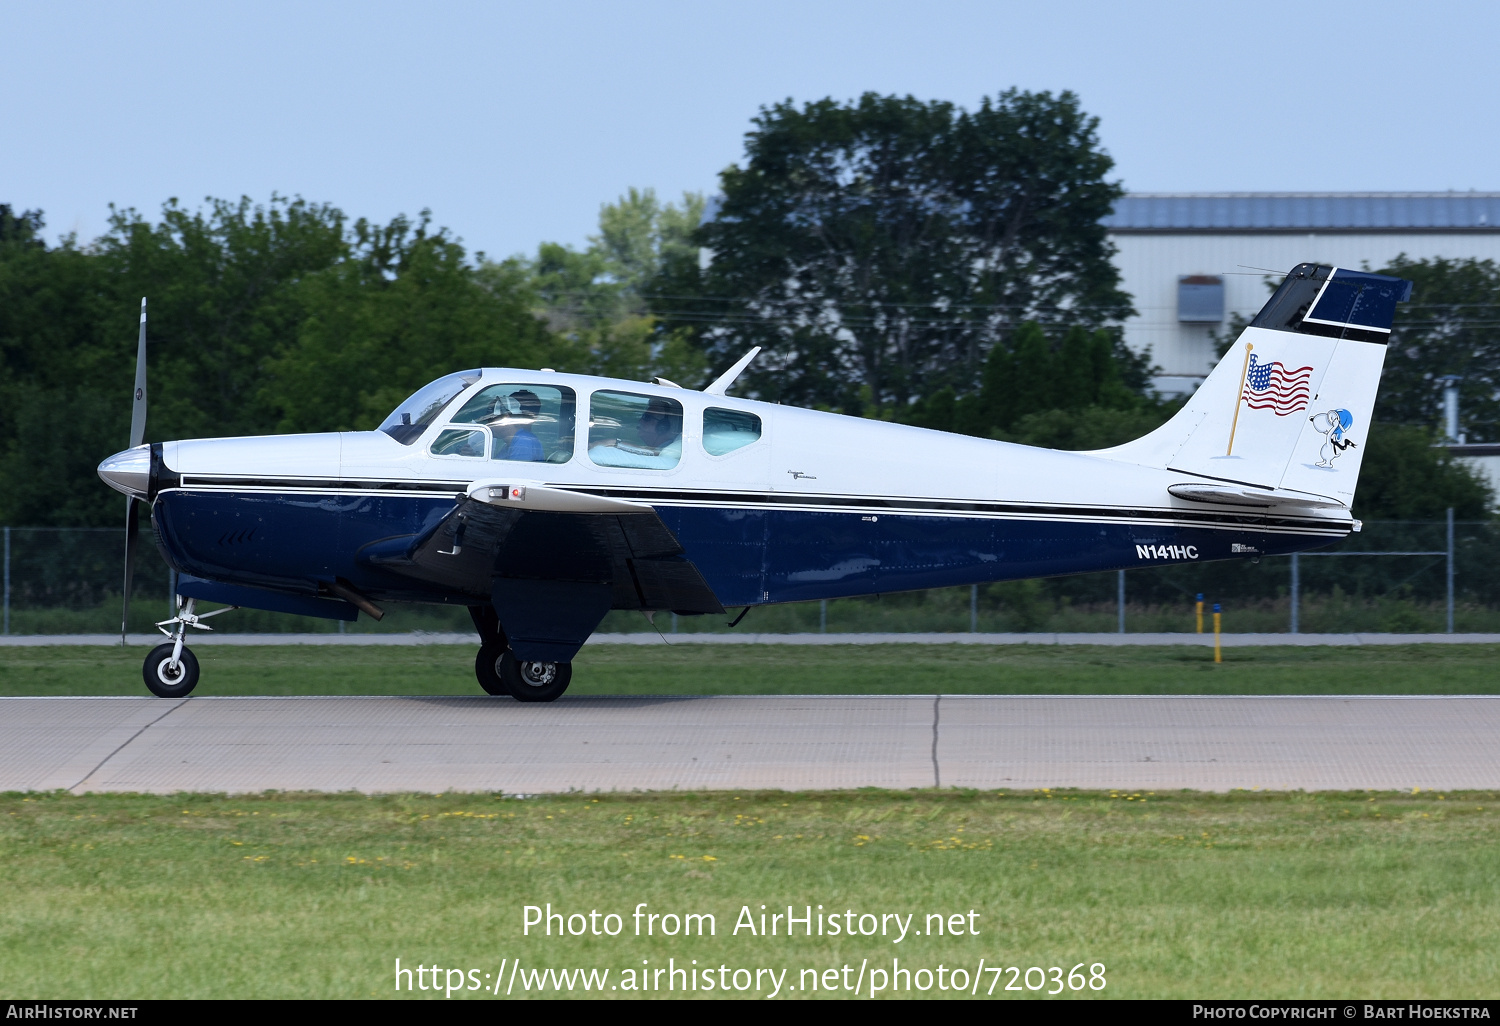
(533, 681)
(162, 680)
(487, 668)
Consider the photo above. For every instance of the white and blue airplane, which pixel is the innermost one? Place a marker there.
(541, 500)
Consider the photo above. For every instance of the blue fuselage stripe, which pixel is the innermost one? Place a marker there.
(749, 552)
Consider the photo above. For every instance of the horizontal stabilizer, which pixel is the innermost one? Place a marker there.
(1230, 495)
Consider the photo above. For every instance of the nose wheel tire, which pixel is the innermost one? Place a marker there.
(487, 668)
(534, 681)
(165, 680)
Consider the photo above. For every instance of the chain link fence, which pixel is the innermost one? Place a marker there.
(1394, 576)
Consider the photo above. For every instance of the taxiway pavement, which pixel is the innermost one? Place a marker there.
(434, 744)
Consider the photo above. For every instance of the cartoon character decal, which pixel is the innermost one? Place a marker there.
(1335, 425)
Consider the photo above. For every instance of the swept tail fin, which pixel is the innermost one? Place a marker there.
(1289, 406)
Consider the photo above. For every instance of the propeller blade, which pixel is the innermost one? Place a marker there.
(132, 525)
(138, 404)
(132, 505)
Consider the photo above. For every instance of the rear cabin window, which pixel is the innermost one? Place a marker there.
(630, 430)
(528, 423)
(727, 430)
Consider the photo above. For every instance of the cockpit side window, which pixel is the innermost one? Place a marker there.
(530, 423)
(407, 421)
(724, 431)
(629, 430)
(451, 442)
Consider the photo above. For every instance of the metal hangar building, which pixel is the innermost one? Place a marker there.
(1193, 260)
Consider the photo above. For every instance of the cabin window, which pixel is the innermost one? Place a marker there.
(629, 430)
(459, 443)
(407, 421)
(727, 430)
(529, 423)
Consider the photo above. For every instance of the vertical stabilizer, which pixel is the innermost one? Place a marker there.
(1289, 406)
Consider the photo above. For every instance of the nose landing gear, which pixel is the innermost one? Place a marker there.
(171, 669)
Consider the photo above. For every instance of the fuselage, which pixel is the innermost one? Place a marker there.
(814, 505)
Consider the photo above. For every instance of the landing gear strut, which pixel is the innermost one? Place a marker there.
(171, 669)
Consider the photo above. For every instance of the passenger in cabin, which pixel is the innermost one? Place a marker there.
(514, 440)
(660, 432)
(661, 427)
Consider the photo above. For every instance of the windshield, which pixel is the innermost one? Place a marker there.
(407, 421)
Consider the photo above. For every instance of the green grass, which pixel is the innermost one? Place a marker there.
(692, 669)
(1018, 606)
(1179, 895)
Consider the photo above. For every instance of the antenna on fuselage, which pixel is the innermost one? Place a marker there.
(723, 381)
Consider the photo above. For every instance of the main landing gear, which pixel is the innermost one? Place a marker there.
(501, 673)
(171, 669)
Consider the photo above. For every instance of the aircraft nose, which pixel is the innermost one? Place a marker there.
(129, 471)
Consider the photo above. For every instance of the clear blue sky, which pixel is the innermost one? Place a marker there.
(513, 122)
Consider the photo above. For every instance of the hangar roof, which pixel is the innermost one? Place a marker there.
(1306, 212)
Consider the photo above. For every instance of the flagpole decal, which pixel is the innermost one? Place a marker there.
(1239, 395)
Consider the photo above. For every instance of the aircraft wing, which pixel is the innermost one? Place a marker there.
(523, 531)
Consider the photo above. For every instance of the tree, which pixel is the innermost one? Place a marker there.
(1088, 427)
(883, 248)
(595, 298)
(403, 308)
(23, 229)
(280, 316)
(637, 234)
(1084, 370)
(58, 415)
(1451, 326)
(1405, 475)
(223, 285)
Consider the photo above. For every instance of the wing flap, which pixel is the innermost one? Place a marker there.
(481, 541)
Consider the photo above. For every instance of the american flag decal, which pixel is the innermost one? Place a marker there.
(1271, 386)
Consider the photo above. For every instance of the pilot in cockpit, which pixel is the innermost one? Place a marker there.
(511, 425)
